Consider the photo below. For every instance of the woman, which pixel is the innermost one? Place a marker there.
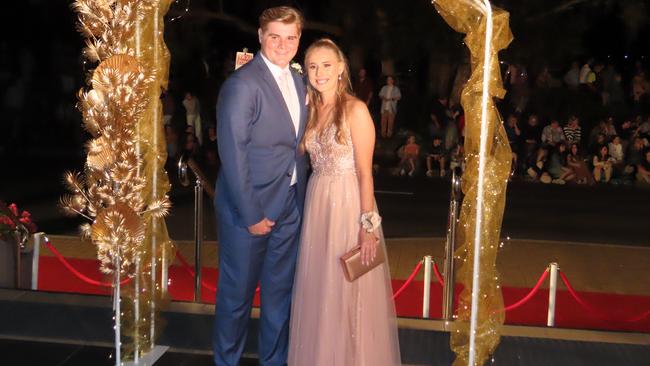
(389, 95)
(538, 166)
(558, 166)
(579, 167)
(334, 321)
(602, 163)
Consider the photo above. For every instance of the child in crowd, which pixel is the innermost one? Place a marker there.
(436, 153)
(410, 154)
(457, 157)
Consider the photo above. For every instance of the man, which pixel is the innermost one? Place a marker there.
(261, 116)
(363, 87)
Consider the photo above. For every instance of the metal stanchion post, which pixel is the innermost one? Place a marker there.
(427, 286)
(36, 251)
(552, 290)
(198, 237)
(450, 247)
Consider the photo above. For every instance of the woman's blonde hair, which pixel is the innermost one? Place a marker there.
(282, 14)
(343, 92)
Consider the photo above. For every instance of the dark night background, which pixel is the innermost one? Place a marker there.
(41, 68)
(40, 61)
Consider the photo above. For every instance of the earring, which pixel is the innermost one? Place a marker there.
(339, 76)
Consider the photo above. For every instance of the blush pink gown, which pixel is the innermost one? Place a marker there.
(335, 322)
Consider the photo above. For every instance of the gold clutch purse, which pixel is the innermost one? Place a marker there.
(352, 266)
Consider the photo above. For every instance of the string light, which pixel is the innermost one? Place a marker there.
(187, 9)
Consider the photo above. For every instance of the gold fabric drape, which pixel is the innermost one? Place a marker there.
(152, 53)
(466, 18)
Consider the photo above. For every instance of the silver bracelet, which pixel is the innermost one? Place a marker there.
(370, 221)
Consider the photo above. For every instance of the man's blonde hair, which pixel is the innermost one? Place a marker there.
(283, 14)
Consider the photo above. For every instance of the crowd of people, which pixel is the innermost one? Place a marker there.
(604, 138)
(612, 145)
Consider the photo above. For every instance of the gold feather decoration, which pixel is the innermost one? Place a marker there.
(109, 194)
(123, 189)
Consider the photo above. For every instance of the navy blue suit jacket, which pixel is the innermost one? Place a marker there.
(258, 146)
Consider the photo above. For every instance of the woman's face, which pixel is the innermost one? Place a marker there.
(561, 148)
(323, 69)
(574, 149)
(603, 151)
(411, 140)
(390, 80)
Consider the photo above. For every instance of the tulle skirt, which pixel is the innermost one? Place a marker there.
(335, 322)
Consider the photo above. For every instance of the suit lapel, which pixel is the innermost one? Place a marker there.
(275, 90)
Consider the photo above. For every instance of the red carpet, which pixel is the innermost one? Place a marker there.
(53, 276)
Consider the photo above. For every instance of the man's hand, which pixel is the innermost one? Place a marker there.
(261, 228)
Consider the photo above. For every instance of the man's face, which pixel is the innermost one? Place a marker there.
(279, 42)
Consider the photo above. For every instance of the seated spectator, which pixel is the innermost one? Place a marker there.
(168, 106)
(171, 139)
(410, 154)
(616, 151)
(191, 146)
(553, 133)
(600, 129)
(602, 163)
(437, 154)
(531, 137)
(643, 169)
(450, 138)
(595, 147)
(635, 156)
(457, 157)
(211, 154)
(577, 163)
(514, 133)
(626, 131)
(573, 131)
(538, 167)
(610, 129)
(558, 166)
(644, 128)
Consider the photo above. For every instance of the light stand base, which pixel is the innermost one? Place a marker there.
(149, 358)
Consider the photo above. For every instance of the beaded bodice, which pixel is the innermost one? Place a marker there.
(329, 157)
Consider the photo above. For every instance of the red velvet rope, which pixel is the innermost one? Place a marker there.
(408, 280)
(532, 292)
(595, 311)
(190, 270)
(436, 270)
(78, 274)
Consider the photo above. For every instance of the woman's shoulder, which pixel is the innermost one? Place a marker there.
(356, 112)
(354, 106)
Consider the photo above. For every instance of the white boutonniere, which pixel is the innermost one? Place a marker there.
(296, 66)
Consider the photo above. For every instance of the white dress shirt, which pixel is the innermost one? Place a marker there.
(290, 98)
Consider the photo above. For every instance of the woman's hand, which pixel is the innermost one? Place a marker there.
(368, 243)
